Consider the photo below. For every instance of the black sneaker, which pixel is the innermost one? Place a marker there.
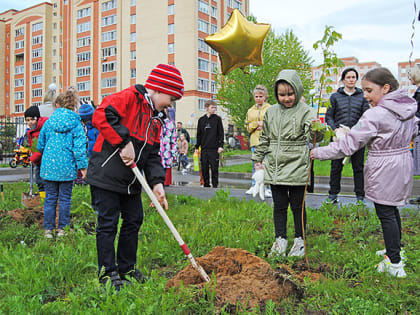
(133, 274)
(332, 199)
(415, 201)
(112, 276)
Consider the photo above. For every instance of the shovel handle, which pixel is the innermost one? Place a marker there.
(168, 222)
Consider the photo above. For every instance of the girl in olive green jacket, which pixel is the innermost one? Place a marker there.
(284, 143)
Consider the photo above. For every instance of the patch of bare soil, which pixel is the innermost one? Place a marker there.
(28, 216)
(241, 277)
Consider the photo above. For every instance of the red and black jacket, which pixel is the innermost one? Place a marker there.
(122, 117)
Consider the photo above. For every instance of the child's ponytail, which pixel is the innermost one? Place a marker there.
(382, 76)
(70, 99)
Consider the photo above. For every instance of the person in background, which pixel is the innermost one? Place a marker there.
(210, 136)
(286, 132)
(86, 112)
(129, 132)
(180, 129)
(347, 106)
(415, 80)
(62, 142)
(35, 123)
(183, 152)
(48, 107)
(168, 146)
(254, 122)
(387, 129)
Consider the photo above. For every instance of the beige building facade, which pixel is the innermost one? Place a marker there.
(104, 46)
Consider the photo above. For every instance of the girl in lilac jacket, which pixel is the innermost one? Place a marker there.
(386, 129)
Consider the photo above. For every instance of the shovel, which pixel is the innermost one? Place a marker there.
(168, 222)
(30, 200)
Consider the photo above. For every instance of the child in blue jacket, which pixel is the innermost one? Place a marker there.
(62, 142)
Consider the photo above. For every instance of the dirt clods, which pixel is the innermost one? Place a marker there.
(241, 277)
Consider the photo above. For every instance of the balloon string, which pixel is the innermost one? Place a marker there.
(412, 37)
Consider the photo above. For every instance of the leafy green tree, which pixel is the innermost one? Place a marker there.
(280, 52)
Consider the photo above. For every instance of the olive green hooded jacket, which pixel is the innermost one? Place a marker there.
(285, 137)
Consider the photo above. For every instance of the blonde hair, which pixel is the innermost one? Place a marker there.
(415, 75)
(50, 96)
(261, 89)
(67, 100)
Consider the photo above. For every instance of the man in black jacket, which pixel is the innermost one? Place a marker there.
(347, 106)
(210, 136)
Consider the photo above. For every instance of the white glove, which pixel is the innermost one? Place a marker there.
(258, 177)
(340, 133)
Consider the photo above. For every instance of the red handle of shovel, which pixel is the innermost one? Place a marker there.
(168, 222)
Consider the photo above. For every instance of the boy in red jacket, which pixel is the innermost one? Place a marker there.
(129, 124)
(35, 122)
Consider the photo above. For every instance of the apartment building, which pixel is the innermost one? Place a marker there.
(403, 70)
(103, 46)
(361, 67)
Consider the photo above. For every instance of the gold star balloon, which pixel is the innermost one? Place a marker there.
(239, 42)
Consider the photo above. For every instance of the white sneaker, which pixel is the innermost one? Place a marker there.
(268, 194)
(250, 191)
(279, 247)
(396, 270)
(61, 232)
(184, 171)
(383, 252)
(298, 249)
(188, 166)
(48, 233)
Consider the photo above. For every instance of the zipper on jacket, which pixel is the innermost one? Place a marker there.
(294, 126)
(278, 147)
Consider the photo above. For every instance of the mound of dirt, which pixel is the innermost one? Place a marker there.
(241, 277)
(28, 216)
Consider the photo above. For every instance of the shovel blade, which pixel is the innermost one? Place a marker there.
(29, 200)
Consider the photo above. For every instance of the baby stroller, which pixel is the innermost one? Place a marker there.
(22, 157)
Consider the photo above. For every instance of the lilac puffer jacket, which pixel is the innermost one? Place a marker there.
(387, 130)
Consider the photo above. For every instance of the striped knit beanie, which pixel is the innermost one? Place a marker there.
(167, 79)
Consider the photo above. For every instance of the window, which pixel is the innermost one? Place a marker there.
(133, 55)
(85, 56)
(36, 66)
(109, 82)
(171, 48)
(213, 67)
(238, 5)
(230, 3)
(37, 79)
(19, 44)
(19, 95)
(83, 12)
(83, 71)
(54, 26)
(133, 19)
(213, 52)
(83, 27)
(36, 92)
(54, 66)
(133, 37)
(203, 64)
(213, 87)
(109, 5)
(37, 27)
(201, 102)
(85, 99)
(214, 12)
(19, 108)
(109, 66)
(171, 28)
(19, 82)
(37, 40)
(133, 3)
(171, 9)
(36, 103)
(37, 53)
(109, 20)
(105, 95)
(213, 29)
(133, 73)
(202, 46)
(107, 36)
(54, 39)
(19, 69)
(203, 26)
(20, 32)
(203, 85)
(203, 6)
(54, 52)
(109, 51)
(84, 41)
(83, 86)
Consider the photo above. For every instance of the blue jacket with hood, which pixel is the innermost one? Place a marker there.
(62, 141)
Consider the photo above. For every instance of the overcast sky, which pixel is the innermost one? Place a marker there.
(373, 30)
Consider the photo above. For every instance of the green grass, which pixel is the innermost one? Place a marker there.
(40, 276)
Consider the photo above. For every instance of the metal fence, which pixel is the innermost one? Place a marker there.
(11, 129)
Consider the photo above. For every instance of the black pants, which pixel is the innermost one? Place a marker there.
(210, 159)
(357, 164)
(311, 184)
(110, 206)
(391, 229)
(282, 197)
